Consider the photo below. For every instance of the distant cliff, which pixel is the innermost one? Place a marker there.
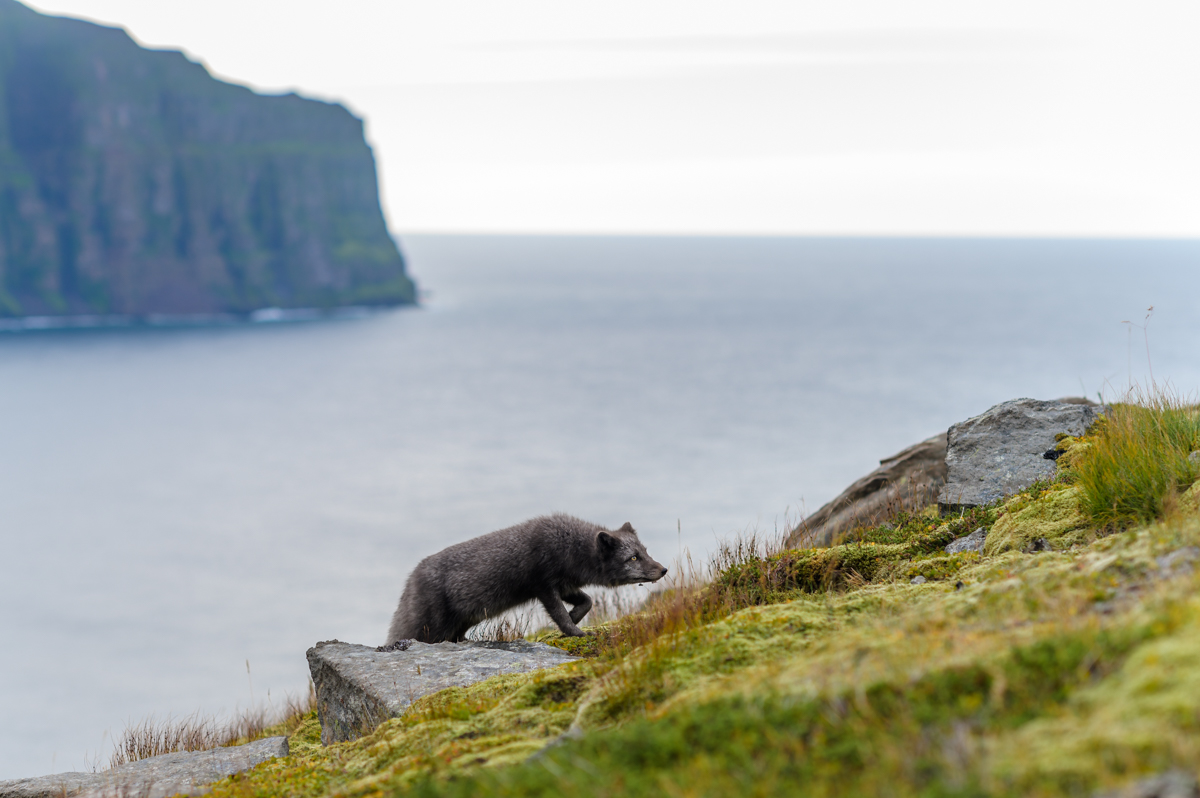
(133, 183)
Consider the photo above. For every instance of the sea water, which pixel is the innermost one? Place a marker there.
(185, 511)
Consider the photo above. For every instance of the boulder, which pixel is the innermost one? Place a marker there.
(358, 687)
(907, 480)
(1008, 448)
(185, 772)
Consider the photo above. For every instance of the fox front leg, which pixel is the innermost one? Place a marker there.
(558, 613)
(581, 604)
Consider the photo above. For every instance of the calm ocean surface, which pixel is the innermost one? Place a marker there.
(177, 502)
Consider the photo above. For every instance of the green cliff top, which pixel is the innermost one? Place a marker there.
(133, 183)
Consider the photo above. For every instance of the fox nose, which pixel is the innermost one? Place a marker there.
(664, 573)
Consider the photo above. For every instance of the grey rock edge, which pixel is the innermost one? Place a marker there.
(358, 687)
(186, 772)
(1003, 450)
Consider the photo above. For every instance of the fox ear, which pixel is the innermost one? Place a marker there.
(606, 542)
(626, 527)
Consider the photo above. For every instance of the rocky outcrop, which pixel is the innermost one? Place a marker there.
(907, 480)
(1008, 448)
(185, 772)
(132, 184)
(1010, 434)
(358, 687)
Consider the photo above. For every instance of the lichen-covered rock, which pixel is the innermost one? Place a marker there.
(185, 772)
(1008, 448)
(358, 687)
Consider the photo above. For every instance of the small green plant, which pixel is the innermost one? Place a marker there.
(1138, 460)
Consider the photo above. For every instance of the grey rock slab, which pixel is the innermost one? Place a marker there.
(971, 542)
(1005, 449)
(185, 772)
(358, 687)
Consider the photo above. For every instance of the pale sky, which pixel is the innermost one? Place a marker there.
(841, 117)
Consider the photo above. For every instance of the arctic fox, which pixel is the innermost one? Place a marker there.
(548, 558)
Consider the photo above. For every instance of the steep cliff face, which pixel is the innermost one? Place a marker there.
(132, 182)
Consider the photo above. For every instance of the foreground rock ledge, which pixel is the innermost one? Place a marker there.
(186, 772)
(358, 687)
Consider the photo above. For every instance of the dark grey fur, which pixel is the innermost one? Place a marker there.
(549, 558)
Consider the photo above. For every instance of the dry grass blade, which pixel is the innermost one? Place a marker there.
(513, 625)
(151, 737)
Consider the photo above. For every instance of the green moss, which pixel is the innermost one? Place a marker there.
(306, 739)
(893, 736)
(590, 645)
(1144, 717)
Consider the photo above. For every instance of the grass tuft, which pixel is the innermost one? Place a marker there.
(151, 737)
(1137, 464)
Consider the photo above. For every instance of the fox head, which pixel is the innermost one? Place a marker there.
(624, 559)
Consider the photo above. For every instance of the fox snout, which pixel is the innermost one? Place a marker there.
(652, 572)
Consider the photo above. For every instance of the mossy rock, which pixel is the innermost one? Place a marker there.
(1189, 502)
(1056, 517)
(934, 569)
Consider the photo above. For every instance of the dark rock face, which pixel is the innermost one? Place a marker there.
(359, 687)
(910, 479)
(1003, 450)
(133, 183)
(185, 773)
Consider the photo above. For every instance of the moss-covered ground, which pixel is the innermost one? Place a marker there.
(1062, 660)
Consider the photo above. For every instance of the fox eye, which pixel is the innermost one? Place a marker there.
(633, 558)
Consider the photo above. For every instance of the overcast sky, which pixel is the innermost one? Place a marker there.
(643, 116)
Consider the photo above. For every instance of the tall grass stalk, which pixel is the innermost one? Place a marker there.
(1138, 463)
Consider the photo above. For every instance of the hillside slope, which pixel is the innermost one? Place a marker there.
(1061, 660)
